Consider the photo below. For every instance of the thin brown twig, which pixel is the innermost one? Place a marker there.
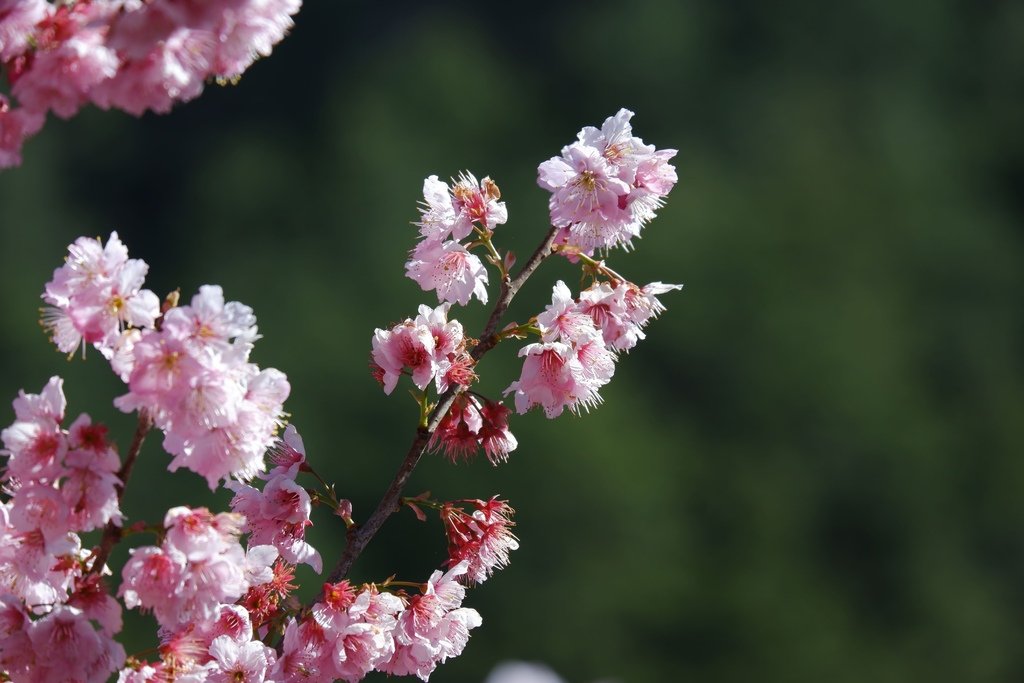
(112, 532)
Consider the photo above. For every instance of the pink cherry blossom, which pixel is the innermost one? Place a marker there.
(249, 31)
(406, 345)
(477, 202)
(95, 294)
(606, 186)
(35, 442)
(448, 268)
(92, 597)
(132, 55)
(616, 142)
(621, 312)
(278, 516)
(239, 662)
(552, 377)
(433, 627)
(65, 69)
(90, 488)
(68, 648)
(305, 655)
(151, 579)
(18, 19)
(168, 71)
(452, 211)
(16, 653)
(586, 196)
(366, 639)
(219, 412)
(562, 320)
(16, 126)
(483, 538)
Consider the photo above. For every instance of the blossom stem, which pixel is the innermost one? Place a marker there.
(485, 239)
(598, 266)
(359, 536)
(112, 532)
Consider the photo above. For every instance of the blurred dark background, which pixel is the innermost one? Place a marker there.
(811, 469)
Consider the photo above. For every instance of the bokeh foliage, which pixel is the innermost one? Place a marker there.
(812, 468)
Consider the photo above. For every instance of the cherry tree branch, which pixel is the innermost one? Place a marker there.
(112, 532)
(359, 536)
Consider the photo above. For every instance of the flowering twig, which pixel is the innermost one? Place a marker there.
(112, 532)
(359, 537)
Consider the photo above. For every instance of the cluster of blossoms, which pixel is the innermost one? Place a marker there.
(221, 649)
(279, 514)
(430, 347)
(60, 483)
(190, 374)
(348, 634)
(441, 261)
(606, 185)
(133, 55)
(579, 341)
(471, 423)
(199, 565)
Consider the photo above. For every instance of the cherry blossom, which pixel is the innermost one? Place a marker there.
(135, 56)
(433, 627)
(607, 185)
(450, 269)
(430, 347)
(483, 538)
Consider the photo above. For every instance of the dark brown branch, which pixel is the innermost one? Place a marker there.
(360, 536)
(112, 532)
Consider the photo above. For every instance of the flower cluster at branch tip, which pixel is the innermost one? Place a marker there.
(124, 54)
(456, 212)
(604, 187)
(607, 185)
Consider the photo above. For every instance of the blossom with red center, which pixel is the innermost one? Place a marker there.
(553, 378)
(288, 454)
(450, 269)
(265, 602)
(495, 437)
(474, 421)
(483, 538)
(427, 348)
(477, 202)
(68, 648)
(90, 595)
(453, 211)
(406, 345)
(35, 443)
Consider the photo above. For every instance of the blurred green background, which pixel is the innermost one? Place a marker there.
(811, 469)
